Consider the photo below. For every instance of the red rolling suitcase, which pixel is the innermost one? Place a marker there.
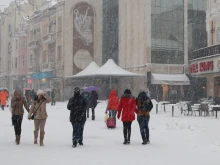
(110, 123)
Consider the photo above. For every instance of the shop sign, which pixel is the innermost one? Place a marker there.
(204, 66)
(42, 75)
(30, 81)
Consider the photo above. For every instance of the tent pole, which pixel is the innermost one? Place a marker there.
(110, 82)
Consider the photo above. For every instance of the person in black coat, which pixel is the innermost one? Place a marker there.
(77, 106)
(93, 101)
(144, 106)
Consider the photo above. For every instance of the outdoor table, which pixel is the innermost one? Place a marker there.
(172, 108)
(216, 108)
(164, 103)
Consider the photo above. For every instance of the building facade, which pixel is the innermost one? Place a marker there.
(204, 62)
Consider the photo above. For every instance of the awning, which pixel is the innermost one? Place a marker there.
(170, 79)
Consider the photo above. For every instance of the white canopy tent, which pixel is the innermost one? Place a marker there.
(170, 79)
(110, 69)
(88, 71)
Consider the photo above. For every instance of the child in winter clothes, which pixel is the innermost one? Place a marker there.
(127, 108)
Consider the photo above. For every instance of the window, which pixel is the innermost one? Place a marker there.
(9, 28)
(16, 44)
(12, 63)
(23, 41)
(16, 62)
(59, 53)
(31, 59)
(44, 58)
(23, 61)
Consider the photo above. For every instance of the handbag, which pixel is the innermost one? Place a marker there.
(32, 116)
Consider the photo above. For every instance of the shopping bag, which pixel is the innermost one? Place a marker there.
(106, 118)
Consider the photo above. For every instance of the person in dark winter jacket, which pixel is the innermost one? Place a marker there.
(144, 106)
(86, 95)
(77, 106)
(93, 101)
(127, 108)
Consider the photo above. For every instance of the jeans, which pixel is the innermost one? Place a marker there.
(17, 121)
(112, 114)
(127, 130)
(78, 128)
(144, 129)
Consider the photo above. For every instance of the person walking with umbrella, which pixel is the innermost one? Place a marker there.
(127, 108)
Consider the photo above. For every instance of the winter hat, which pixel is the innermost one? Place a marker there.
(40, 92)
(127, 91)
(77, 89)
(17, 92)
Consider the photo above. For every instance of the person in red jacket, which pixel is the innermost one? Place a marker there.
(113, 102)
(127, 107)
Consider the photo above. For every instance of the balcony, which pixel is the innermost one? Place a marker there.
(33, 45)
(50, 38)
(204, 52)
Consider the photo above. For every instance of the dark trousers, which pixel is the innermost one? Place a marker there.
(53, 102)
(3, 107)
(127, 130)
(17, 121)
(78, 128)
(93, 112)
(144, 129)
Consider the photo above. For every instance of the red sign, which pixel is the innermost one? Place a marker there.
(201, 67)
(30, 81)
(193, 68)
(206, 66)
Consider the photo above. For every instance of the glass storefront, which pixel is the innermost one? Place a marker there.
(167, 31)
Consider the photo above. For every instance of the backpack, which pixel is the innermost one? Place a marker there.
(145, 105)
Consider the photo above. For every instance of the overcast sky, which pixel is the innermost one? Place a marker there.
(5, 3)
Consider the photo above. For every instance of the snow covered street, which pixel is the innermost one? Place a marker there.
(178, 140)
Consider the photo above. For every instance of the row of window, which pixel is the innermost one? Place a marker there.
(14, 62)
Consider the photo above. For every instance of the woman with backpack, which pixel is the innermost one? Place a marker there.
(127, 108)
(144, 106)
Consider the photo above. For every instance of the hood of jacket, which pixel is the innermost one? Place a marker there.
(113, 92)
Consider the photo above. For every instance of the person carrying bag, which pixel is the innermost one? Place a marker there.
(39, 114)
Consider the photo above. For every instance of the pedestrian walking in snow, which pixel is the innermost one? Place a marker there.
(17, 103)
(144, 106)
(38, 110)
(53, 95)
(127, 108)
(93, 101)
(113, 103)
(86, 95)
(3, 98)
(77, 106)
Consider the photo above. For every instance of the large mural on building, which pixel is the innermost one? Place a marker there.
(83, 35)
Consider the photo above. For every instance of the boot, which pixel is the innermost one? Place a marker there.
(42, 139)
(35, 137)
(93, 117)
(125, 141)
(17, 140)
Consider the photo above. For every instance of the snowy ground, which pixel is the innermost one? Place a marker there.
(181, 140)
